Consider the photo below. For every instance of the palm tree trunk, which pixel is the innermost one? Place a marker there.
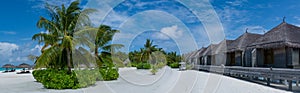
(69, 60)
(96, 51)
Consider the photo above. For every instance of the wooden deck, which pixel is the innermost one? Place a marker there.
(267, 73)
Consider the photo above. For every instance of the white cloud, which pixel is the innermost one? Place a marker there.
(8, 32)
(18, 59)
(256, 29)
(17, 54)
(7, 49)
(160, 36)
(236, 2)
(172, 31)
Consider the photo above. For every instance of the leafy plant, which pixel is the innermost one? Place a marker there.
(143, 65)
(109, 74)
(154, 69)
(59, 79)
(174, 65)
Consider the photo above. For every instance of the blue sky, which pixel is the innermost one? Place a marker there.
(174, 25)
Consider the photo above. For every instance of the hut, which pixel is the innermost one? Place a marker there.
(7, 66)
(196, 56)
(214, 54)
(237, 54)
(221, 52)
(278, 48)
(207, 55)
(24, 65)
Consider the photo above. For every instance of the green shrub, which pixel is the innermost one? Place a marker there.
(146, 66)
(132, 64)
(161, 65)
(109, 74)
(154, 69)
(142, 65)
(59, 79)
(174, 65)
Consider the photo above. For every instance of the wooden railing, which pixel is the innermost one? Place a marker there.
(268, 73)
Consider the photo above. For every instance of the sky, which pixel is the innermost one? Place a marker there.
(174, 25)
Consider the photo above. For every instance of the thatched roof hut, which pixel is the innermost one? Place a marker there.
(24, 65)
(8, 66)
(282, 35)
(222, 47)
(210, 49)
(243, 41)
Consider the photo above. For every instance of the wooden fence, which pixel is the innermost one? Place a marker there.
(268, 73)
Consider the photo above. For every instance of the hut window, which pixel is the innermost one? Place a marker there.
(269, 56)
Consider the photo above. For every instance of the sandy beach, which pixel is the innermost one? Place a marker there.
(167, 80)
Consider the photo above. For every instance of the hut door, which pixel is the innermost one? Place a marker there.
(232, 59)
(269, 57)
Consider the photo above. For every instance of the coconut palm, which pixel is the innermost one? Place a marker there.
(148, 49)
(103, 39)
(58, 40)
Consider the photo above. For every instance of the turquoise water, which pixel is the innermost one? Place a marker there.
(3, 69)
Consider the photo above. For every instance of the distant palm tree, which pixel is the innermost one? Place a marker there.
(173, 57)
(148, 49)
(59, 39)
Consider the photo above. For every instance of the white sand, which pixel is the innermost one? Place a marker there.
(141, 81)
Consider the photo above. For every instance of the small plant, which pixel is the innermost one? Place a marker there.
(154, 69)
(143, 65)
(174, 65)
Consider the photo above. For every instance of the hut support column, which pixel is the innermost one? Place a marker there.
(290, 85)
(268, 81)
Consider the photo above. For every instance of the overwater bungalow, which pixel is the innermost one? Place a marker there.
(277, 48)
(237, 55)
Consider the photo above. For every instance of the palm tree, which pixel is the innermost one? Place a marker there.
(173, 57)
(148, 49)
(59, 42)
(103, 38)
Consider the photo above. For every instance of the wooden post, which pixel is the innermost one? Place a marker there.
(290, 85)
(268, 81)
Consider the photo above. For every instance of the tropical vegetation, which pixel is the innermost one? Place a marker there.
(68, 37)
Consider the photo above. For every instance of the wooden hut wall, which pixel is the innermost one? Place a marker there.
(220, 59)
(248, 58)
(238, 58)
(228, 59)
(279, 58)
(208, 60)
(289, 56)
(259, 58)
(295, 57)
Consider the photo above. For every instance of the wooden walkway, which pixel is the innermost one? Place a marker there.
(252, 72)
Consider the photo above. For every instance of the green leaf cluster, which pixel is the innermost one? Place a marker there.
(143, 65)
(59, 79)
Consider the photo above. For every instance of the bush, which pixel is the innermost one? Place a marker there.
(132, 64)
(59, 79)
(154, 69)
(108, 74)
(174, 65)
(143, 65)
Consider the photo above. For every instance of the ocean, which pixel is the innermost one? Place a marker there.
(3, 69)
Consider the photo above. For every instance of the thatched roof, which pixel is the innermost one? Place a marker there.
(24, 65)
(209, 50)
(282, 35)
(8, 66)
(222, 47)
(243, 41)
